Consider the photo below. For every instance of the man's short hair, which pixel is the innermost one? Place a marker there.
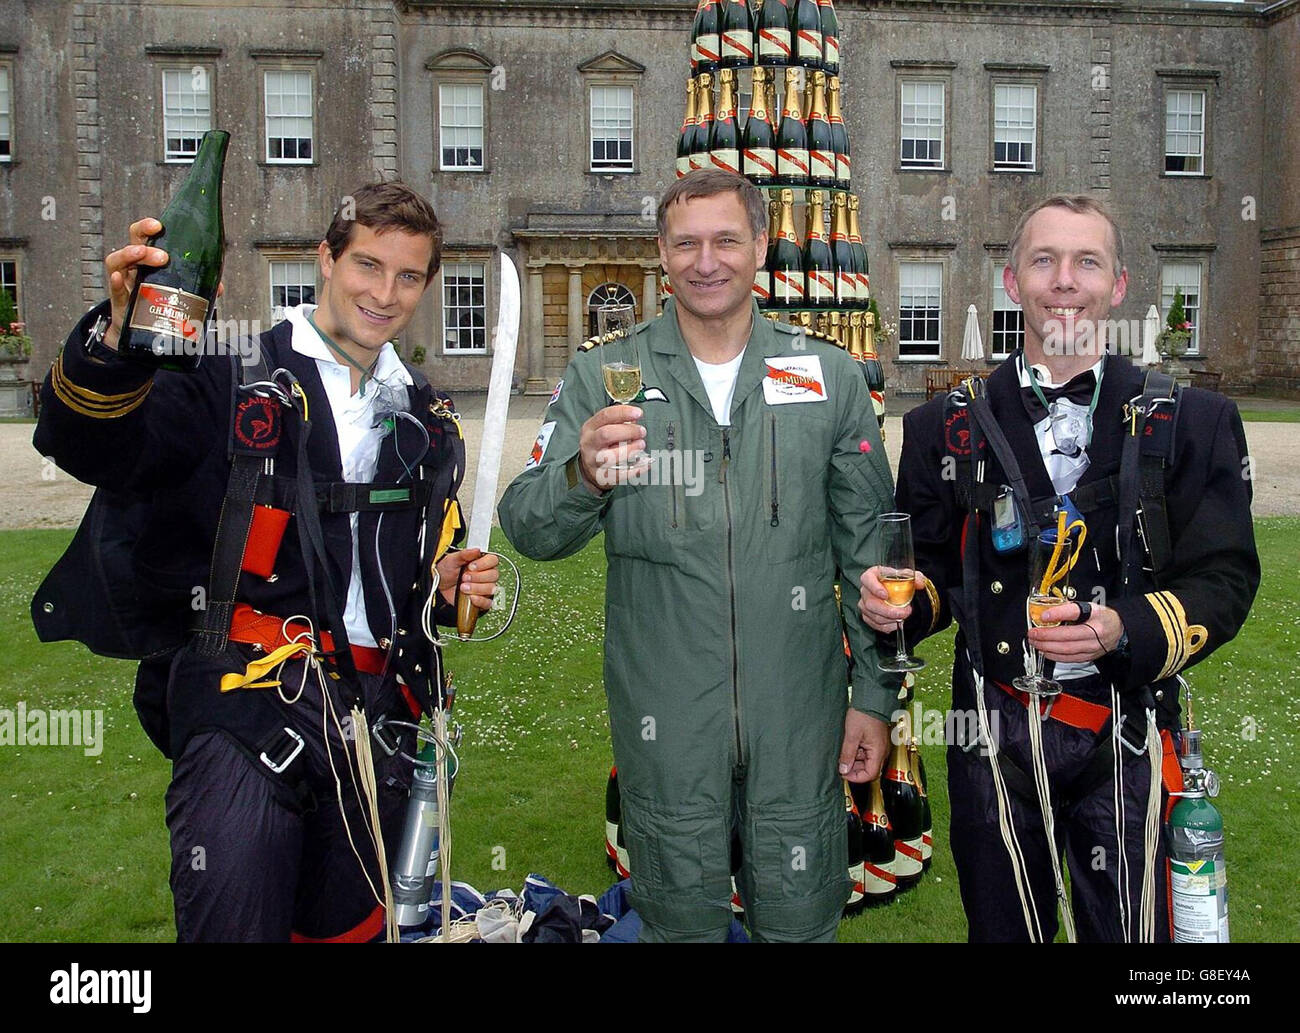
(1083, 204)
(710, 183)
(386, 206)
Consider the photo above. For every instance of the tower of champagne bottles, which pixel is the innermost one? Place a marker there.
(794, 146)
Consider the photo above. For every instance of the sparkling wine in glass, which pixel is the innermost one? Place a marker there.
(1050, 556)
(620, 365)
(898, 575)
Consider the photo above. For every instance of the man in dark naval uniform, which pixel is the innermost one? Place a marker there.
(269, 539)
(1165, 574)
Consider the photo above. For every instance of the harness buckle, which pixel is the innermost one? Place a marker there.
(387, 738)
(277, 766)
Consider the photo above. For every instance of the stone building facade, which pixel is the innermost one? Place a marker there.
(545, 131)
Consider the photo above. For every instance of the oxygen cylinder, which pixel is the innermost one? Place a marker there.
(615, 846)
(417, 860)
(1198, 881)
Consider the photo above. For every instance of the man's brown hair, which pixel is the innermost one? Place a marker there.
(386, 206)
(710, 183)
(1082, 204)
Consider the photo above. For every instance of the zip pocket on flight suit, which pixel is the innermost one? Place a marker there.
(674, 475)
(775, 487)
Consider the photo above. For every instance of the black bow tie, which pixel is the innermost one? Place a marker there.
(1079, 390)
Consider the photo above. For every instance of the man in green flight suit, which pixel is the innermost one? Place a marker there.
(724, 661)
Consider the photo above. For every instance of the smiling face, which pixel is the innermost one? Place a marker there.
(711, 253)
(1065, 283)
(372, 288)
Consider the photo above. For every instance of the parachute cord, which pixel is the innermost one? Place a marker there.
(1009, 839)
(1152, 838)
(1049, 822)
(1117, 787)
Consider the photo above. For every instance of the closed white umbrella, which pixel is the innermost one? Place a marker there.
(1150, 331)
(972, 344)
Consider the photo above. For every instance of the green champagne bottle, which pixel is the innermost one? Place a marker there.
(170, 306)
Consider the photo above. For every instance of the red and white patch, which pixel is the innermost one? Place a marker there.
(539, 446)
(555, 395)
(794, 378)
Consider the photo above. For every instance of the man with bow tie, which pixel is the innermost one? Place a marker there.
(1155, 486)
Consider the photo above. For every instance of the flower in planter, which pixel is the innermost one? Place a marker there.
(14, 341)
(1172, 341)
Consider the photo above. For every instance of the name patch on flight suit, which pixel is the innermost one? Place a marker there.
(794, 378)
(539, 446)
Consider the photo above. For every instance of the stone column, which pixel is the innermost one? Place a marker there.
(650, 291)
(577, 317)
(536, 384)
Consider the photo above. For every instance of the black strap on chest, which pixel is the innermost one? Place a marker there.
(1148, 448)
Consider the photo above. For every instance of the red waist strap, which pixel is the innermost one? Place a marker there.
(1069, 710)
(259, 629)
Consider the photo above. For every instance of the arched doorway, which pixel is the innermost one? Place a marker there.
(609, 293)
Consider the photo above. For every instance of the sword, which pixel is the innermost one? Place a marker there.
(492, 443)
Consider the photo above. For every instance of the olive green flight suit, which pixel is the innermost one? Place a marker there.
(724, 662)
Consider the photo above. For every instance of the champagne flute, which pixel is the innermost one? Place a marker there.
(620, 364)
(1050, 557)
(898, 575)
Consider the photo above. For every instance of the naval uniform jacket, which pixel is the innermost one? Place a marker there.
(161, 440)
(1199, 604)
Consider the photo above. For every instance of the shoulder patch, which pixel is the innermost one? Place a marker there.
(555, 395)
(538, 452)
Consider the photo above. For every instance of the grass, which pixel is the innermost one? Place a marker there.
(83, 846)
(1270, 415)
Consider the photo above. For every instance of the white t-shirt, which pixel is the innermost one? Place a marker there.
(720, 382)
(359, 439)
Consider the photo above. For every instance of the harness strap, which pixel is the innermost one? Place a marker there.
(228, 554)
(1069, 710)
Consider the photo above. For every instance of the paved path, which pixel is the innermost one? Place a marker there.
(36, 494)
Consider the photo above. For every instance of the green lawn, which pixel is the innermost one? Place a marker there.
(1271, 415)
(83, 847)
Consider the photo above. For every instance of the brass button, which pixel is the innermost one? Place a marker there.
(1069, 592)
(1160, 693)
(385, 643)
(1004, 648)
(997, 587)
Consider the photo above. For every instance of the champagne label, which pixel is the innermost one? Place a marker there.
(857, 872)
(169, 312)
(726, 158)
(699, 160)
(927, 846)
(864, 287)
(907, 858)
(762, 288)
(808, 45)
(1199, 900)
(683, 165)
(706, 49)
(831, 51)
(900, 775)
(846, 288)
(738, 43)
(787, 287)
(821, 287)
(822, 164)
(774, 43)
(878, 879)
(792, 164)
(843, 169)
(760, 161)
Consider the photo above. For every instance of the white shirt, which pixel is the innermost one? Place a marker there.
(359, 439)
(1065, 472)
(720, 382)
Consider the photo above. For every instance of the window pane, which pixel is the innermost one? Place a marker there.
(9, 281)
(464, 307)
(1185, 132)
(1008, 324)
(1015, 115)
(187, 111)
(1184, 276)
(611, 127)
(920, 295)
(292, 283)
(921, 131)
(460, 121)
(288, 116)
(6, 115)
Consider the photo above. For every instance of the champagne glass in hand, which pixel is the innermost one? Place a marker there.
(620, 364)
(898, 575)
(1049, 580)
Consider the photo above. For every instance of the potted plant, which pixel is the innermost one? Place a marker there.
(15, 345)
(1172, 341)
(885, 332)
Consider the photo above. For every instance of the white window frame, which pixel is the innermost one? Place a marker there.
(458, 131)
(1001, 303)
(909, 130)
(921, 291)
(620, 165)
(1010, 127)
(1186, 129)
(194, 119)
(1194, 307)
(307, 266)
(310, 116)
(16, 261)
(7, 113)
(450, 307)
